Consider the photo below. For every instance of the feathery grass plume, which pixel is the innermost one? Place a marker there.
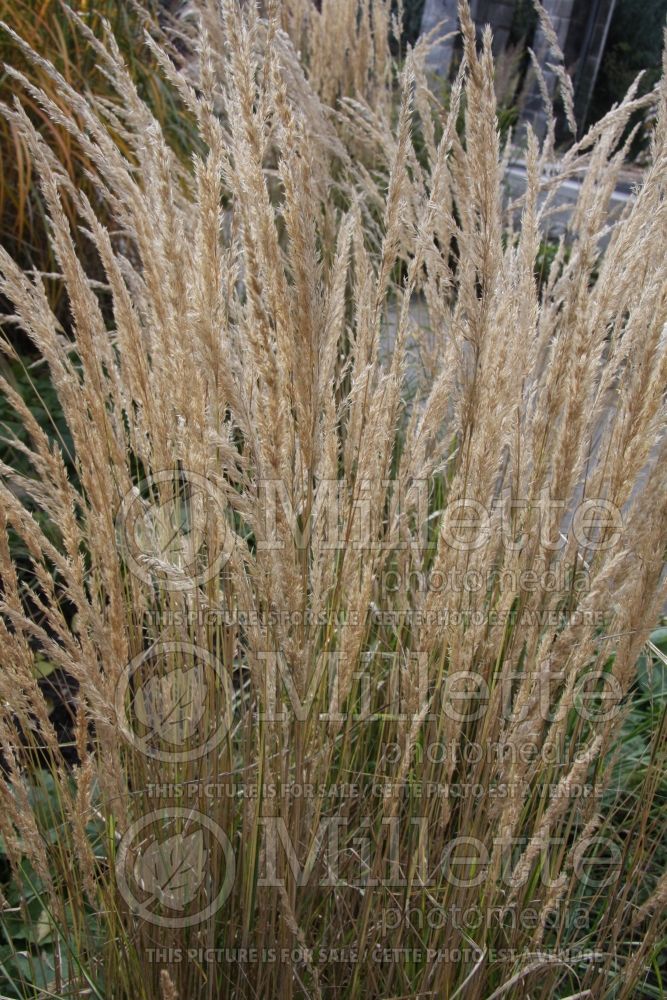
(565, 86)
(344, 46)
(49, 29)
(351, 550)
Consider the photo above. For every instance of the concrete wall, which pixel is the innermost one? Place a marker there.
(497, 13)
(582, 30)
(591, 53)
(580, 25)
(435, 11)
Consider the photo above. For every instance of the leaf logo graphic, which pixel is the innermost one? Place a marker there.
(173, 870)
(166, 877)
(175, 525)
(171, 530)
(172, 706)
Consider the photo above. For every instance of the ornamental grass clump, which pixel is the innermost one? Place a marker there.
(353, 552)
